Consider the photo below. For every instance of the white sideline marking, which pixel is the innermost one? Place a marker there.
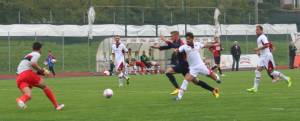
(294, 92)
(276, 108)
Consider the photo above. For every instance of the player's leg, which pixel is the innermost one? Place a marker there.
(158, 67)
(121, 75)
(215, 58)
(188, 77)
(204, 70)
(25, 97)
(125, 69)
(52, 70)
(152, 64)
(271, 69)
(169, 74)
(258, 70)
(218, 65)
(134, 67)
(272, 77)
(49, 94)
(129, 68)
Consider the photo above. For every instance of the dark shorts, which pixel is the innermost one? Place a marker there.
(182, 68)
(217, 60)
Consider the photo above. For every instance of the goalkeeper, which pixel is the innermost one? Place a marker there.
(27, 78)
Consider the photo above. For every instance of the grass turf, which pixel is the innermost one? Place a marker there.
(148, 98)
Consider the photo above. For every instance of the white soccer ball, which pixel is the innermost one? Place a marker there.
(45, 63)
(53, 60)
(108, 93)
(106, 72)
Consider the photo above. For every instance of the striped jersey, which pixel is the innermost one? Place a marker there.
(119, 50)
(217, 49)
(25, 63)
(193, 55)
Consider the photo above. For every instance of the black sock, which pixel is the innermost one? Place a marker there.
(213, 68)
(172, 79)
(270, 75)
(205, 86)
(220, 71)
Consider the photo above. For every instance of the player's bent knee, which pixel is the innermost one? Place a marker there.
(171, 71)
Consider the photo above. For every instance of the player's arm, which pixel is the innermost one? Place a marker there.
(265, 42)
(211, 49)
(129, 60)
(113, 58)
(35, 66)
(272, 49)
(211, 45)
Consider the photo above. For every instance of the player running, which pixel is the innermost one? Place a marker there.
(217, 55)
(153, 63)
(27, 78)
(272, 49)
(193, 58)
(266, 60)
(118, 59)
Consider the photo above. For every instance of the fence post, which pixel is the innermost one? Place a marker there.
(63, 45)
(19, 17)
(8, 52)
(247, 40)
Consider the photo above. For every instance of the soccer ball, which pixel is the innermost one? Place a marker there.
(53, 60)
(106, 73)
(45, 63)
(108, 93)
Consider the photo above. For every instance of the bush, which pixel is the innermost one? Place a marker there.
(288, 6)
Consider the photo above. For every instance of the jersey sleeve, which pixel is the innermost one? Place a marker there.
(271, 45)
(35, 57)
(181, 48)
(53, 57)
(264, 40)
(112, 49)
(124, 48)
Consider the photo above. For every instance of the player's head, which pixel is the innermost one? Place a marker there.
(292, 43)
(117, 39)
(136, 52)
(150, 50)
(216, 39)
(104, 53)
(174, 35)
(144, 52)
(129, 50)
(37, 46)
(49, 53)
(259, 30)
(235, 43)
(189, 38)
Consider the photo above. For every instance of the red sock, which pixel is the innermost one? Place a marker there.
(24, 98)
(51, 97)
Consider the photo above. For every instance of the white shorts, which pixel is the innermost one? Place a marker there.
(267, 62)
(153, 62)
(204, 70)
(119, 65)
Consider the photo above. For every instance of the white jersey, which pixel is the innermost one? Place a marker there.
(25, 63)
(119, 50)
(193, 54)
(261, 41)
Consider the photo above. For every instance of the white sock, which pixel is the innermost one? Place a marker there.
(124, 76)
(129, 70)
(158, 68)
(126, 70)
(276, 73)
(183, 87)
(134, 68)
(257, 79)
(152, 68)
(218, 78)
(120, 79)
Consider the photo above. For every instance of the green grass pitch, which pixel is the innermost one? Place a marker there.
(148, 98)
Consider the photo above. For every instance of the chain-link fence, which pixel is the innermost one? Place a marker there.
(75, 55)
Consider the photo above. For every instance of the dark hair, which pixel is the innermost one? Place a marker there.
(189, 34)
(260, 27)
(49, 51)
(37, 46)
(117, 36)
(129, 48)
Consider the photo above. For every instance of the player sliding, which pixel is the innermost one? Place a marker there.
(265, 60)
(153, 63)
(118, 59)
(272, 49)
(27, 78)
(193, 58)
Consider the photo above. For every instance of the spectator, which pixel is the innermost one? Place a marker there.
(104, 57)
(236, 54)
(293, 49)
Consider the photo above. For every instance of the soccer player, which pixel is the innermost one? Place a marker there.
(51, 65)
(266, 60)
(145, 60)
(272, 49)
(118, 59)
(153, 63)
(27, 78)
(193, 58)
(138, 62)
(217, 54)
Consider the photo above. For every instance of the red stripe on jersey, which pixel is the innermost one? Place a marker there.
(29, 56)
(184, 56)
(271, 46)
(210, 71)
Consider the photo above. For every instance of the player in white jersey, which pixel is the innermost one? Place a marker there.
(153, 63)
(118, 59)
(196, 65)
(27, 78)
(266, 60)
